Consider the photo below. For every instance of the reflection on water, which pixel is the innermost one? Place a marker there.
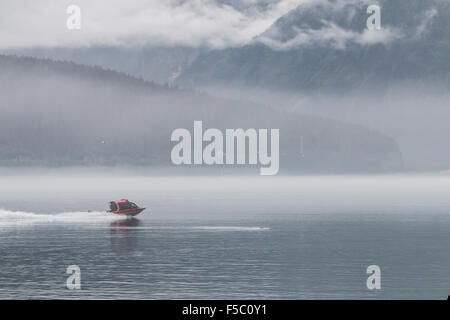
(124, 235)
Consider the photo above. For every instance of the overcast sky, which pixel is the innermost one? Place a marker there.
(34, 23)
(212, 23)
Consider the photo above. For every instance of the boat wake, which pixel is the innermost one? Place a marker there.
(229, 228)
(8, 217)
(195, 228)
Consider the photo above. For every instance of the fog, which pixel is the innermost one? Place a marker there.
(62, 114)
(343, 105)
(418, 119)
(415, 115)
(204, 22)
(58, 114)
(79, 190)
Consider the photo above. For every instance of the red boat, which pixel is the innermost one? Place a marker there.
(124, 207)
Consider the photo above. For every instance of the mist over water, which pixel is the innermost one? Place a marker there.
(58, 191)
(364, 153)
(223, 236)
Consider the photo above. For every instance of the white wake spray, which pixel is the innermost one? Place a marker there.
(8, 217)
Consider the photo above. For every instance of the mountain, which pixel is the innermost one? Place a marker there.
(325, 46)
(152, 63)
(60, 114)
(321, 46)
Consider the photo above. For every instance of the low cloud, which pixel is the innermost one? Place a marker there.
(339, 37)
(218, 24)
(426, 22)
(334, 36)
(211, 23)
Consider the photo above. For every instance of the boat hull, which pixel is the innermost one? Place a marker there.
(128, 212)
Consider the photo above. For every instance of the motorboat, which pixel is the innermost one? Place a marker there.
(124, 207)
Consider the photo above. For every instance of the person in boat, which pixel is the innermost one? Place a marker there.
(113, 206)
(123, 205)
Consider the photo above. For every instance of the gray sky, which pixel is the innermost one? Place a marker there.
(42, 23)
(212, 23)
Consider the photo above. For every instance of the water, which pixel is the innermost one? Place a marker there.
(224, 237)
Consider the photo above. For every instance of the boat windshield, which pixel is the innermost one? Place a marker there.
(129, 205)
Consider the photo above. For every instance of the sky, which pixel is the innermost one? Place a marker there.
(213, 23)
(210, 23)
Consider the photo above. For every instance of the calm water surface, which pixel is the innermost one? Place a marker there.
(226, 237)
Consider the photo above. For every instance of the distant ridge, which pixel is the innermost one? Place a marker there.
(63, 114)
(66, 66)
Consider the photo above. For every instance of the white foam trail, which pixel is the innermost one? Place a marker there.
(229, 228)
(21, 218)
(202, 228)
(8, 217)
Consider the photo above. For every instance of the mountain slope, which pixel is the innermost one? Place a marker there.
(325, 45)
(57, 114)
